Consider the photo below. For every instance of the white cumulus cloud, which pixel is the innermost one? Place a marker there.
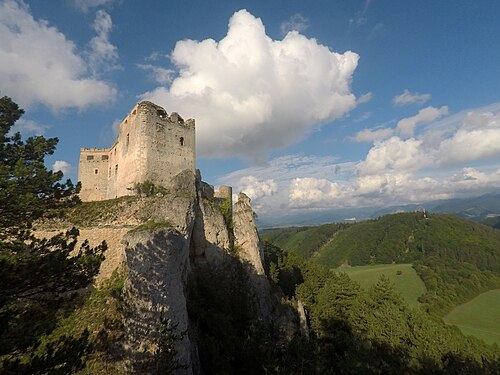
(39, 65)
(408, 97)
(371, 135)
(394, 154)
(255, 188)
(477, 138)
(103, 54)
(250, 94)
(61, 165)
(406, 127)
(313, 192)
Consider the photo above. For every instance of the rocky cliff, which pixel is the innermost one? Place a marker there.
(169, 243)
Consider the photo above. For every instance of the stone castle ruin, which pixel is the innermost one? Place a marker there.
(151, 146)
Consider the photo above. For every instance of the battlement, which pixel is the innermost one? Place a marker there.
(151, 146)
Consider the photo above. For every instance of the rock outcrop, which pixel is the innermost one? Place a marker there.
(248, 248)
(181, 232)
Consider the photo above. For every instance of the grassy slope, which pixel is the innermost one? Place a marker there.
(479, 317)
(408, 284)
(304, 241)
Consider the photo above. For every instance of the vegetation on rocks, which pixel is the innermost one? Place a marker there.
(150, 226)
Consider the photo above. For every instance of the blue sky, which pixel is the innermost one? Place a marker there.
(303, 105)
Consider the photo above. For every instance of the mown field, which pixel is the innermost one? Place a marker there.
(406, 282)
(479, 317)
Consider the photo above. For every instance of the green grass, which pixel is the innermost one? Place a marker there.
(408, 284)
(480, 317)
(151, 225)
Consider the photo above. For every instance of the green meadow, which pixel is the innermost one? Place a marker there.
(403, 276)
(479, 317)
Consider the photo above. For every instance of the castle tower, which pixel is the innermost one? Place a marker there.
(151, 146)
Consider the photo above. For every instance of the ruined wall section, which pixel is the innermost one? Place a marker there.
(127, 156)
(93, 171)
(170, 143)
(151, 145)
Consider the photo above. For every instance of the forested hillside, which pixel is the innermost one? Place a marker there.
(456, 258)
(357, 331)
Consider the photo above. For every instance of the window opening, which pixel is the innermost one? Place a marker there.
(116, 169)
(161, 113)
(128, 139)
(96, 171)
(182, 141)
(104, 157)
(90, 157)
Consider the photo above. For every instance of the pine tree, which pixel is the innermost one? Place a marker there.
(38, 275)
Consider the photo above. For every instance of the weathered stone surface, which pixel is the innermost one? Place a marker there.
(210, 235)
(158, 262)
(247, 242)
(157, 269)
(151, 146)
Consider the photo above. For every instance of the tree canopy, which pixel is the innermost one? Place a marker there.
(39, 276)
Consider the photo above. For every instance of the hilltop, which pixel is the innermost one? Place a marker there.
(456, 258)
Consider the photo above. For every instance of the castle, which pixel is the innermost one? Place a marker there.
(151, 146)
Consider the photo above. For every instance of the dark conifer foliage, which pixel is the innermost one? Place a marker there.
(38, 276)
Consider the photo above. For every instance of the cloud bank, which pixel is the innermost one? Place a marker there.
(38, 65)
(250, 94)
(396, 170)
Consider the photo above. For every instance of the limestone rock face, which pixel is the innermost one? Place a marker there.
(157, 269)
(187, 233)
(210, 236)
(247, 242)
(157, 264)
(245, 234)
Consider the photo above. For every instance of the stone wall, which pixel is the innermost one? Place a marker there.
(151, 145)
(93, 170)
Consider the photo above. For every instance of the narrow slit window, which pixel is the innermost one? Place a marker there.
(128, 139)
(96, 171)
(116, 169)
(182, 141)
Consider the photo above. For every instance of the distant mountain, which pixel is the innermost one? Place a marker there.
(493, 222)
(475, 208)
